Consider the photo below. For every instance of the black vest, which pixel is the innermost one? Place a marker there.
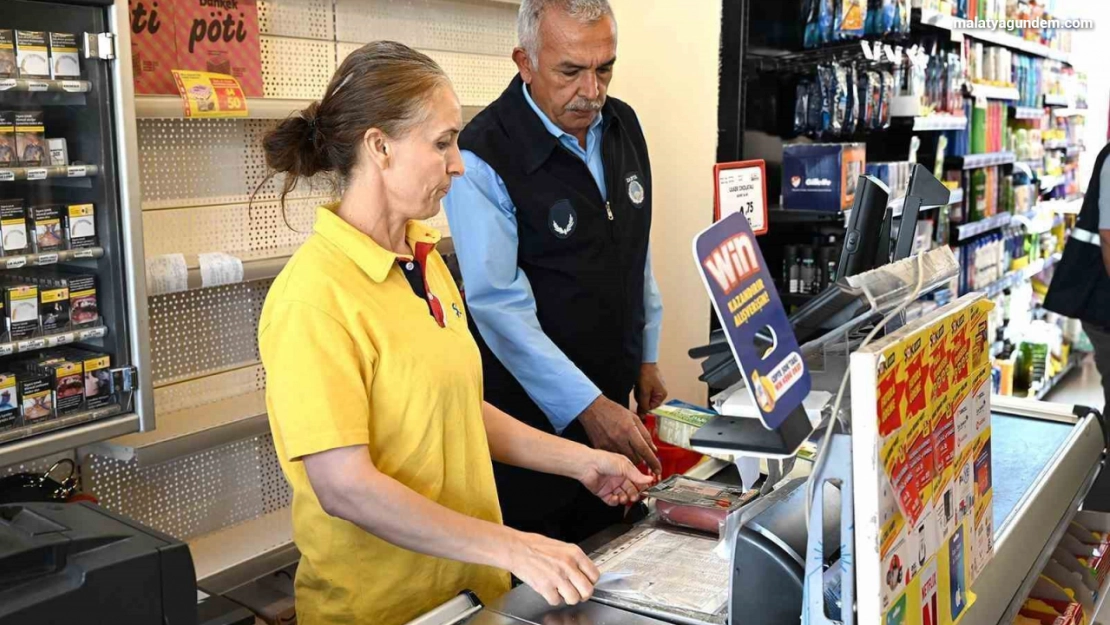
(1080, 287)
(584, 258)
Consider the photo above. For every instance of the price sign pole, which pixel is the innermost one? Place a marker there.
(741, 187)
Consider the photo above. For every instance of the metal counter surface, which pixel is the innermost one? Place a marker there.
(1021, 449)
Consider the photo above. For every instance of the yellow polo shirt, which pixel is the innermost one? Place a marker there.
(354, 357)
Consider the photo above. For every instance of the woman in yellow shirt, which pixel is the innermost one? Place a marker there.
(374, 383)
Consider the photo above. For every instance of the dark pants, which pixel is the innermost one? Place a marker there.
(1100, 338)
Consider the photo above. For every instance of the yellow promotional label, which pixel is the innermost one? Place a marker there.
(25, 292)
(55, 295)
(97, 363)
(12, 222)
(210, 95)
(30, 129)
(80, 210)
(77, 294)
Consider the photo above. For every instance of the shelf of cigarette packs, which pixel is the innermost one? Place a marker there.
(1072, 586)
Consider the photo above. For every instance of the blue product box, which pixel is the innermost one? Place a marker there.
(821, 176)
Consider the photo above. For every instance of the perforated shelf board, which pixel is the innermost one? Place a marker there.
(237, 554)
(193, 495)
(487, 28)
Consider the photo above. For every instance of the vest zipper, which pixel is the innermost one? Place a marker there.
(608, 210)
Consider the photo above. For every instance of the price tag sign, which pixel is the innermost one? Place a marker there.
(7, 83)
(31, 345)
(84, 254)
(16, 262)
(37, 85)
(59, 339)
(7, 349)
(47, 259)
(72, 86)
(77, 171)
(7, 175)
(209, 95)
(39, 173)
(741, 187)
(94, 333)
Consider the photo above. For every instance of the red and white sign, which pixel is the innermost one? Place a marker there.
(220, 37)
(741, 187)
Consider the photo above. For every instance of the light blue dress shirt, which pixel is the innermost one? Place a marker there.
(500, 299)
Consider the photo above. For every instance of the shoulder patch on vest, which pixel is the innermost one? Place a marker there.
(562, 220)
(636, 191)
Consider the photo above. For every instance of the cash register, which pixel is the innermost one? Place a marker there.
(75, 563)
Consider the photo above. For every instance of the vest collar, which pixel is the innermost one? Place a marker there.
(522, 123)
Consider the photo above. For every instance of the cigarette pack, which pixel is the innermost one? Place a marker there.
(98, 376)
(47, 222)
(36, 396)
(84, 308)
(22, 304)
(59, 153)
(13, 225)
(67, 382)
(9, 403)
(32, 54)
(54, 308)
(30, 142)
(64, 58)
(81, 226)
(8, 156)
(7, 54)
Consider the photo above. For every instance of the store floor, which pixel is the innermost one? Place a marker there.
(1082, 387)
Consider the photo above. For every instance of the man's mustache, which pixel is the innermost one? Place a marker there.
(585, 105)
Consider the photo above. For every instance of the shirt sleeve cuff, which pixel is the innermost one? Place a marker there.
(651, 345)
(577, 400)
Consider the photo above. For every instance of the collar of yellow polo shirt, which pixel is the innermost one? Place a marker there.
(353, 357)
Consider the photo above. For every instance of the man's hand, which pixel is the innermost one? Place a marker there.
(651, 391)
(614, 428)
(613, 478)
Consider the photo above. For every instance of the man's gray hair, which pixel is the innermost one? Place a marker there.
(531, 14)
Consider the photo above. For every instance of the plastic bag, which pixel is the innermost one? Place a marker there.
(826, 19)
(825, 76)
(801, 107)
(887, 99)
(813, 117)
(851, 109)
(839, 98)
(811, 11)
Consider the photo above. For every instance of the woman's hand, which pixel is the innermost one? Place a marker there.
(558, 571)
(613, 478)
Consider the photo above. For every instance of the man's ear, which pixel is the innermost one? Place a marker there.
(376, 146)
(523, 65)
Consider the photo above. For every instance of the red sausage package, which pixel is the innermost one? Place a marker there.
(698, 504)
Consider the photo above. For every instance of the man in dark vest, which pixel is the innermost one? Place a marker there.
(551, 224)
(1080, 287)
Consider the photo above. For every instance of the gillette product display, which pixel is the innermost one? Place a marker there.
(821, 176)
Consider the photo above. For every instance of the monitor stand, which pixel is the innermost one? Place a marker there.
(745, 435)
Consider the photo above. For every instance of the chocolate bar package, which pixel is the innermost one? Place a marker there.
(36, 396)
(68, 383)
(30, 138)
(32, 54)
(64, 57)
(8, 156)
(8, 68)
(222, 39)
(9, 403)
(46, 220)
(81, 226)
(22, 304)
(13, 226)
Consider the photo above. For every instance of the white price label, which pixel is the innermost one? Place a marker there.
(7, 83)
(59, 339)
(7, 175)
(31, 345)
(39, 173)
(16, 262)
(47, 259)
(94, 333)
(741, 190)
(37, 85)
(77, 171)
(72, 86)
(84, 254)
(7, 349)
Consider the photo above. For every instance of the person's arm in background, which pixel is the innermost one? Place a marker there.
(1104, 213)
(499, 298)
(651, 390)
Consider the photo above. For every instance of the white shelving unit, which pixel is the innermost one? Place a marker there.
(946, 22)
(238, 554)
(994, 92)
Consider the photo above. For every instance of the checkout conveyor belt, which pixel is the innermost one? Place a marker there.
(1044, 459)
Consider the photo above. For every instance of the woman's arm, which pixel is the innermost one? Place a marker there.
(350, 487)
(611, 477)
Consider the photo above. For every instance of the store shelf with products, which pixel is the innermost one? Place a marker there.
(929, 123)
(967, 231)
(36, 85)
(84, 430)
(1019, 276)
(232, 556)
(14, 174)
(1064, 207)
(50, 258)
(192, 430)
(1056, 100)
(946, 22)
(172, 107)
(1073, 362)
